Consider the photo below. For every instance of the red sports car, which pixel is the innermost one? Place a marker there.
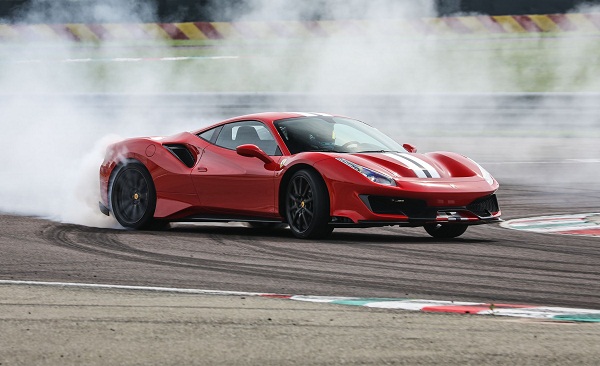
(312, 171)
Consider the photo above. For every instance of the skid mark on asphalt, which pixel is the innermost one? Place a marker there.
(99, 241)
(104, 243)
(402, 267)
(361, 254)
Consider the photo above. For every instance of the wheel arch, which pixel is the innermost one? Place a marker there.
(285, 180)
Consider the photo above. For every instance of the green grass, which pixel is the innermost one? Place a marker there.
(514, 63)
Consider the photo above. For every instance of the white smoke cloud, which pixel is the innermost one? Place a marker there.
(52, 144)
(87, 11)
(329, 10)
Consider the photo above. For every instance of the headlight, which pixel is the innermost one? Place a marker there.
(372, 175)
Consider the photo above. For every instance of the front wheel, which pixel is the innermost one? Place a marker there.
(445, 231)
(307, 205)
(133, 197)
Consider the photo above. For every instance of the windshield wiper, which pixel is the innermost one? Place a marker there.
(374, 151)
(322, 150)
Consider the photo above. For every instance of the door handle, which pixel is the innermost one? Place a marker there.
(202, 169)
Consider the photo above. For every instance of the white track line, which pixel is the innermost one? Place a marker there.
(538, 312)
(563, 161)
(142, 288)
(118, 59)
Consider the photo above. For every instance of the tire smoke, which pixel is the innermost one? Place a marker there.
(55, 123)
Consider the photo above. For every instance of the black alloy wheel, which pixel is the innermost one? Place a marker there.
(133, 197)
(307, 205)
(445, 231)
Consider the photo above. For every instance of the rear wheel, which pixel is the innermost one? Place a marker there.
(133, 197)
(307, 205)
(445, 231)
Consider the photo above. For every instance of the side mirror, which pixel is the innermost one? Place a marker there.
(410, 148)
(253, 151)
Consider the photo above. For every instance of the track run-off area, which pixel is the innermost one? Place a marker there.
(128, 321)
(105, 324)
(487, 264)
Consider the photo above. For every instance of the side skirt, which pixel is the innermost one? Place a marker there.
(218, 218)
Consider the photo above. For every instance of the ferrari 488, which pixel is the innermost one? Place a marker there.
(312, 171)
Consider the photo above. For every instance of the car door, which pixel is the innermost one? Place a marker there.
(230, 184)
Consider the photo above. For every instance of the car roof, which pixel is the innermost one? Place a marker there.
(274, 116)
(266, 117)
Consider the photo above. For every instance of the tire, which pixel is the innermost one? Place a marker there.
(133, 197)
(307, 205)
(445, 231)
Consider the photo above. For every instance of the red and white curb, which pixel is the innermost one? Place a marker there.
(433, 306)
(475, 308)
(584, 224)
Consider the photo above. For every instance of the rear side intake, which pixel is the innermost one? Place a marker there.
(182, 153)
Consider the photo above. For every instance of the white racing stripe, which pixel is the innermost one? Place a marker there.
(418, 171)
(421, 168)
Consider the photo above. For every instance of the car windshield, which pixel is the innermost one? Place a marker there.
(333, 134)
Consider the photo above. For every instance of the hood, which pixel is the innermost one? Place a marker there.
(435, 165)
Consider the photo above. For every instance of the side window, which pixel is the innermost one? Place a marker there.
(248, 132)
(209, 135)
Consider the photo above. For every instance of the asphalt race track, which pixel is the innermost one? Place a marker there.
(540, 171)
(488, 263)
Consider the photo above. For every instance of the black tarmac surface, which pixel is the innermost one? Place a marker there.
(488, 263)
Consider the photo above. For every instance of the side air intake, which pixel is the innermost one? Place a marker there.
(182, 153)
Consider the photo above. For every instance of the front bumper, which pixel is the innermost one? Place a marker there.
(385, 206)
